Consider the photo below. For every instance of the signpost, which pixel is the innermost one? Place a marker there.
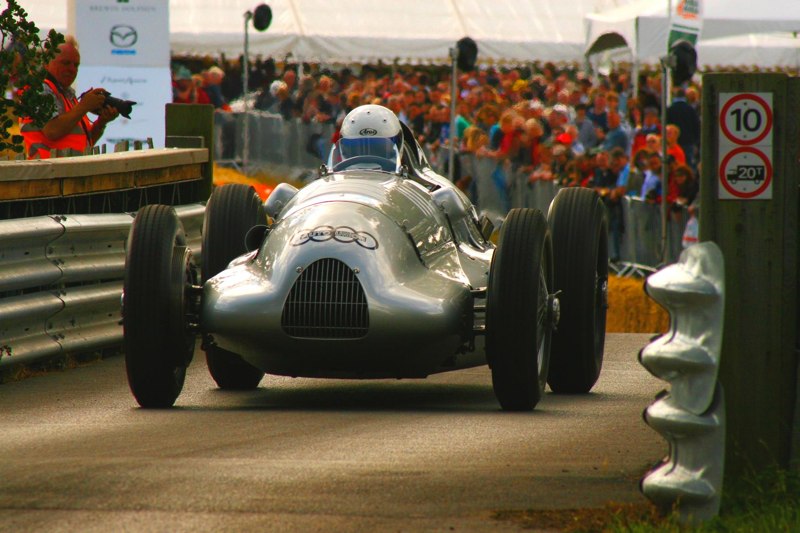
(749, 208)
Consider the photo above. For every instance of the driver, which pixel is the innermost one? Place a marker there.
(372, 131)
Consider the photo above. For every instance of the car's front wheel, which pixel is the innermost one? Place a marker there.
(577, 218)
(520, 310)
(159, 273)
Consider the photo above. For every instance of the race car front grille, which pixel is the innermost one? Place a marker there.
(326, 302)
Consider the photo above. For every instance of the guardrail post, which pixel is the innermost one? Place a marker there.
(192, 120)
(691, 414)
(749, 207)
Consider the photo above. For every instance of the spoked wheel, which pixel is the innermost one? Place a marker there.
(520, 310)
(159, 274)
(230, 212)
(579, 225)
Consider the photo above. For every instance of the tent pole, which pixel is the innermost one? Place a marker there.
(664, 163)
(453, 95)
(245, 67)
(667, 62)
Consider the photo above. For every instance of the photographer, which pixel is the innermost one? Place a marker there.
(69, 128)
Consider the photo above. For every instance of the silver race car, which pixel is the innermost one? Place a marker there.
(378, 269)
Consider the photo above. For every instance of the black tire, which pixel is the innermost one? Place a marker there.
(519, 311)
(157, 339)
(579, 224)
(230, 212)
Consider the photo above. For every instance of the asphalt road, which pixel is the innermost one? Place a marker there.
(77, 454)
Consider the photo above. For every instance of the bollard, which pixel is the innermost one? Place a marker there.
(690, 415)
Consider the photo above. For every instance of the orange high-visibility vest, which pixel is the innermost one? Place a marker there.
(37, 145)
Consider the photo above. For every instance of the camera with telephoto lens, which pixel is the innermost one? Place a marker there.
(123, 106)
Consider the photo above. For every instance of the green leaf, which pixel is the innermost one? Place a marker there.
(14, 25)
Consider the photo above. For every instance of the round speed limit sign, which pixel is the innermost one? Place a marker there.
(746, 118)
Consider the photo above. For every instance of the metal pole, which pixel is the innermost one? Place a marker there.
(664, 164)
(245, 67)
(453, 95)
(666, 63)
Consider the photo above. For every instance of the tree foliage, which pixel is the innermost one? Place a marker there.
(23, 56)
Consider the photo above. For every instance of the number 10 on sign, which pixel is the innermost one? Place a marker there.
(746, 118)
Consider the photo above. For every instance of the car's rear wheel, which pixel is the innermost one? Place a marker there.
(158, 340)
(579, 225)
(520, 310)
(230, 212)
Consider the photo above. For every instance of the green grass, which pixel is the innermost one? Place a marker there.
(767, 502)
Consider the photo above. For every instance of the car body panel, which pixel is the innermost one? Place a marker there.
(405, 256)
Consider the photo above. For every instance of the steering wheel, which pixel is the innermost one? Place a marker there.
(385, 164)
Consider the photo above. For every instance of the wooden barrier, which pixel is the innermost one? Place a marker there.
(120, 182)
(107, 183)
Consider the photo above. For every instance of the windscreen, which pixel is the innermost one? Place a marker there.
(377, 146)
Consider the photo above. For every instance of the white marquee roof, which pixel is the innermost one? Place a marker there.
(371, 30)
(516, 31)
(643, 25)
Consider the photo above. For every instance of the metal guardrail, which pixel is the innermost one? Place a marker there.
(61, 280)
(691, 414)
(285, 147)
(273, 141)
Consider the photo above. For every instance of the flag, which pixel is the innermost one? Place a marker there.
(686, 21)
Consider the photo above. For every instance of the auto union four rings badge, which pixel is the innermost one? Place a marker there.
(343, 234)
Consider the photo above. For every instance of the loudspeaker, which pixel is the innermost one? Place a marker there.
(262, 17)
(685, 63)
(467, 54)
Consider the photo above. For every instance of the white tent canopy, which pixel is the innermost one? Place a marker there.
(422, 31)
(765, 50)
(416, 31)
(643, 25)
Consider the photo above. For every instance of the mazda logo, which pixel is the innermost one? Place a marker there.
(368, 131)
(123, 36)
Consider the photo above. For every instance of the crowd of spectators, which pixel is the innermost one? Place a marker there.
(545, 122)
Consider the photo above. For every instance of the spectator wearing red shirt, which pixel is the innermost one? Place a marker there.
(683, 188)
(509, 131)
(673, 148)
(185, 90)
(651, 124)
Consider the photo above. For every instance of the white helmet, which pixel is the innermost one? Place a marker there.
(371, 130)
